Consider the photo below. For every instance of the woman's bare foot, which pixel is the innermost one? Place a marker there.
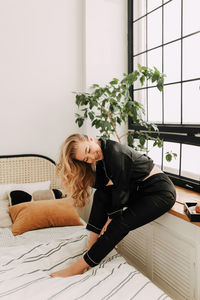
(62, 273)
(75, 269)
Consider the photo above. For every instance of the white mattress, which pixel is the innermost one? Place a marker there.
(27, 260)
(7, 239)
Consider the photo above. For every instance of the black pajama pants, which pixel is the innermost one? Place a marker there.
(151, 199)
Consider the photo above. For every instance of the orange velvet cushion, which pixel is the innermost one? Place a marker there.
(41, 214)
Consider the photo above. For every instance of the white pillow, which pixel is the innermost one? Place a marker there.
(5, 220)
(27, 187)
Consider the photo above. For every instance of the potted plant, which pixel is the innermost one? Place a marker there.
(110, 106)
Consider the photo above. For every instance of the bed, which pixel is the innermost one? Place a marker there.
(27, 259)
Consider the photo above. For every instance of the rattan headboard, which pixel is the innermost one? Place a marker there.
(26, 168)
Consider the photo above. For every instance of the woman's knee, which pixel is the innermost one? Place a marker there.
(117, 230)
(168, 199)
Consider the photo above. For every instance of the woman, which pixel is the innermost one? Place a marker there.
(130, 192)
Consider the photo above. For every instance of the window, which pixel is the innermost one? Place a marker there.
(166, 34)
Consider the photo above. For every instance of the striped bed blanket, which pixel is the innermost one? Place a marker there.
(25, 269)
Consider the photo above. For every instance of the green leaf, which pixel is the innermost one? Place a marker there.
(154, 78)
(142, 140)
(139, 67)
(91, 115)
(159, 85)
(80, 121)
(119, 120)
(78, 100)
(130, 139)
(158, 142)
(108, 125)
(95, 86)
(85, 114)
(114, 81)
(81, 99)
(94, 122)
(114, 98)
(98, 123)
(92, 102)
(154, 126)
(168, 157)
(77, 115)
(132, 77)
(142, 80)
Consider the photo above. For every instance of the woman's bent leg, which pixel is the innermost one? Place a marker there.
(146, 208)
(98, 214)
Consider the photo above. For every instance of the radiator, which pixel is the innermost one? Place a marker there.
(165, 257)
(136, 247)
(173, 264)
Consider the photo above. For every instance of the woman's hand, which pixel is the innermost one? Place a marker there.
(109, 183)
(105, 227)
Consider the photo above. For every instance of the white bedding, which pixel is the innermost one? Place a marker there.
(27, 260)
(40, 235)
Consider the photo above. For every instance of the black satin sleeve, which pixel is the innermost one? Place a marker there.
(118, 169)
(101, 178)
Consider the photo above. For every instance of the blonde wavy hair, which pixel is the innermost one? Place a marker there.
(76, 176)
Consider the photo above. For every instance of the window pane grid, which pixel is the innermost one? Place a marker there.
(170, 83)
(150, 12)
(182, 74)
(167, 43)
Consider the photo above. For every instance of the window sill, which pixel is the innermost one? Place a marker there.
(184, 195)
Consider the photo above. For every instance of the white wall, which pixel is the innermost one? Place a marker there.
(105, 50)
(49, 48)
(41, 64)
(105, 43)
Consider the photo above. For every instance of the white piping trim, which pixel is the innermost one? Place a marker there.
(109, 214)
(94, 226)
(91, 259)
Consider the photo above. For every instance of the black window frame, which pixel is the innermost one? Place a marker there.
(179, 133)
